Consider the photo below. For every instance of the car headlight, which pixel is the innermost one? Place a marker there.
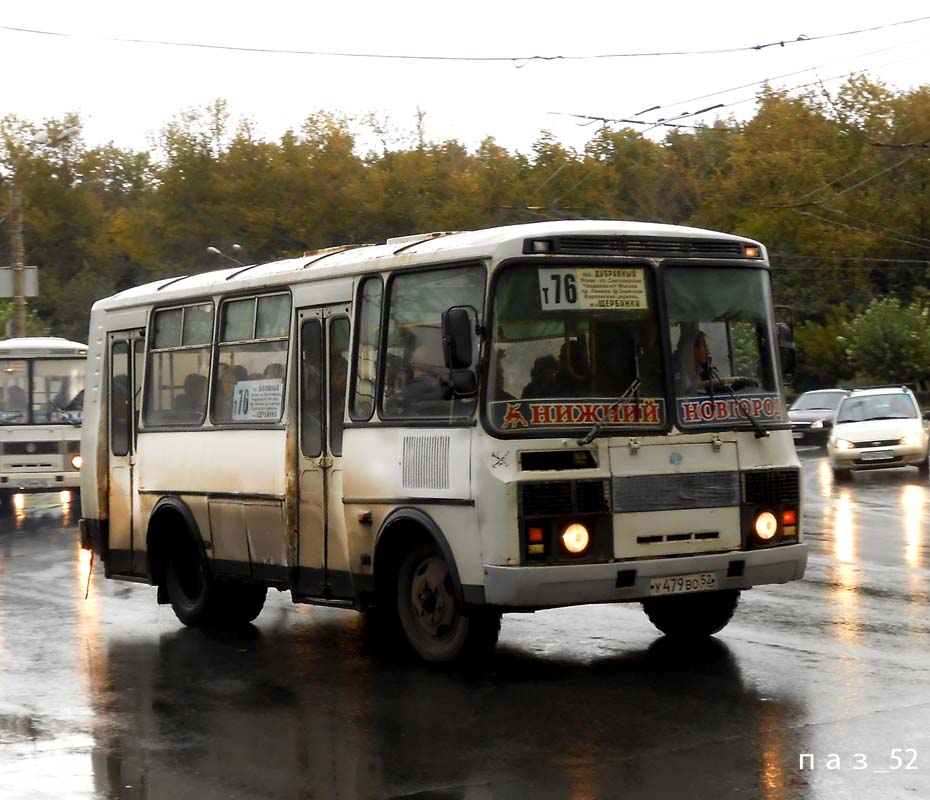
(817, 423)
(843, 444)
(912, 440)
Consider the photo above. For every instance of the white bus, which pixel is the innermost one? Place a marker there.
(41, 408)
(450, 426)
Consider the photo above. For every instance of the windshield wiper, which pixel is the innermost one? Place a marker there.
(630, 390)
(761, 433)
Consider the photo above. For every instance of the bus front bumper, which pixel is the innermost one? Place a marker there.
(40, 481)
(532, 587)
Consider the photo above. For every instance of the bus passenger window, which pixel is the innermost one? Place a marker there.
(311, 385)
(120, 417)
(366, 349)
(248, 384)
(338, 371)
(176, 386)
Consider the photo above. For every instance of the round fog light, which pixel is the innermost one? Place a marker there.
(766, 525)
(76, 462)
(575, 538)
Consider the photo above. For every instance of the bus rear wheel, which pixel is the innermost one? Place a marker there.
(692, 616)
(190, 590)
(201, 601)
(431, 616)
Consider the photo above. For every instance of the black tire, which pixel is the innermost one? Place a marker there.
(239, 603)
(191, 589)
(923, 468)
(692, 616)
(431, 616)
(842, 475)
(200, 601)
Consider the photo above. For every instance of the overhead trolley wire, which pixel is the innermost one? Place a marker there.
(518, 61)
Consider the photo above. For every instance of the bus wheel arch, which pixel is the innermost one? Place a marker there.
(403, 530)
(171, 526)
(419, 596)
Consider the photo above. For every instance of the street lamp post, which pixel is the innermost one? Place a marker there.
(217, 252)
(16, 226)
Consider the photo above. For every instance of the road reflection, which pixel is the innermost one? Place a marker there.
(43, 690)
(914, 502)
(312, 713)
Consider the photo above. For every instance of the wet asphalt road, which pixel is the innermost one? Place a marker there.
(110, 697)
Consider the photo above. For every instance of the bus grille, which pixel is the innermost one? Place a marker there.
(675, 491)
(548, 498)
(643, 246)
(767, 486)
(30, 448)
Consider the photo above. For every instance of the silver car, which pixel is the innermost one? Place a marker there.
(878, 428)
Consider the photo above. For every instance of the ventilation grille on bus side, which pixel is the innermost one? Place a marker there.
(426, 462)
(641, 246)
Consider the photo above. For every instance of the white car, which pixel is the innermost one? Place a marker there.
(878, 428)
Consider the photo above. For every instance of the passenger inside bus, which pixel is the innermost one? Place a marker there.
(223, 395)
(544, 378)
(192, 399)
(275, 370)
(16, 399)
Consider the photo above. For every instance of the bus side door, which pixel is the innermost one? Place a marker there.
(126, 352)
(322, 547)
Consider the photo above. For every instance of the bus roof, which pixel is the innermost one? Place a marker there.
(40, 346)
(406, 251)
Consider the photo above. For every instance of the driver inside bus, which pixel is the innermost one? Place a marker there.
(423, 394)
(698, 373)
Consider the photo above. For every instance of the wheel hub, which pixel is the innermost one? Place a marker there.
(433, 604)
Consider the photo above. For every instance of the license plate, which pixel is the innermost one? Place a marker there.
(32, 483)
(679, 584)
(877, 455)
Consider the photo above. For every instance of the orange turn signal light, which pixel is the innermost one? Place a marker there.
(535, 535)
(789, 517)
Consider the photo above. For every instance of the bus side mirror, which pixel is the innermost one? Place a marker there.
(456, 337)
(457, 351)
(786, 350)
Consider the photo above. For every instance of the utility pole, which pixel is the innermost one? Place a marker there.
(16, 227)
(19, 267)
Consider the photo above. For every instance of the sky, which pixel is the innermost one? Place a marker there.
(126, 92)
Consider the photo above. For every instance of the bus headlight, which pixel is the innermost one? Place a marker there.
(766, 525)
(575, 538)
(76, 461)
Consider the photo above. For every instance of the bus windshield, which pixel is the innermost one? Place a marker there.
(722, 359)
(569, 342)
(42, 391)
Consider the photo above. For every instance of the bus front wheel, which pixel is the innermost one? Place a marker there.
(432, 618)
(692, 616)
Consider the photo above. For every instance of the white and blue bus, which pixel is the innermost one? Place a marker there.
(41, 409)
(447, 427)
